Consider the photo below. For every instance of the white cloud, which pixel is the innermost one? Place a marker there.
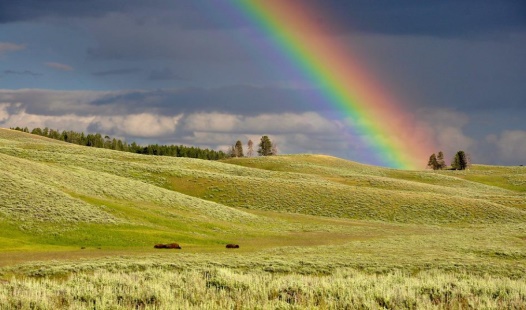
(140, 116)
(293, 133)
(62, 122)
(307, 122)
(6, 47)
(144, 125)
(59, 66)
(3, 111)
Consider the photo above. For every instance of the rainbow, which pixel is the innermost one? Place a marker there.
(390, 134)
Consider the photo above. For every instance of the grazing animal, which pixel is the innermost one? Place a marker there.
(232, 246)
(173, 246)
(167, 246)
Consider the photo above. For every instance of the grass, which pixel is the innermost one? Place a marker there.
(79, 224)
(210, 288)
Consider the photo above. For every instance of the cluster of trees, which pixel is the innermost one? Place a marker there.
(460, 161)
(265, 148)
(437, 162)
(97, 140)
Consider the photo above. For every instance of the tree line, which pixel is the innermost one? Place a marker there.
(265, 148)
(106, 142)
(460, 161)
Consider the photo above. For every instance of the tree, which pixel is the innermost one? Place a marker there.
(238, 148)
(433, 163)
(460, 161)
(107, 142)
(440, 160)
(36, 131)
(265, 146)
(97, 140)
(250, 150)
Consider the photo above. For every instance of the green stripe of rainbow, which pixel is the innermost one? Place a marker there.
(344, 85)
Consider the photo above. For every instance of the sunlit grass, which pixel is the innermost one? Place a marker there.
(79, 224)
(220, 288)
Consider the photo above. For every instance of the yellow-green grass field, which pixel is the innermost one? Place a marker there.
(78, 225)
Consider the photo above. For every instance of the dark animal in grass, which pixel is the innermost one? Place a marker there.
(173, 246)
(167, 246)
(232, 246)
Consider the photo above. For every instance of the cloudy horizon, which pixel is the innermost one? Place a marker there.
(190, 73)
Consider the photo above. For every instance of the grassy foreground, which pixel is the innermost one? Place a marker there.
(156, 288)
(78, 227)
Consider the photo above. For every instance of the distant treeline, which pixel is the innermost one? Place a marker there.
(97, 140)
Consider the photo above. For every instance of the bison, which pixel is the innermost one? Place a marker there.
(167, 246)
(232, 246)
(173, 246)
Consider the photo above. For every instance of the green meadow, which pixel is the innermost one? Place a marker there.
(78, 226)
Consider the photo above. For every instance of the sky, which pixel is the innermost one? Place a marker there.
(202, 73)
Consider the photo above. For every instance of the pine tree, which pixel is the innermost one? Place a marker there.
(460, 161)
(433, 163)
(239, 149)
(36, 131)
(440, 160)
(265, 146)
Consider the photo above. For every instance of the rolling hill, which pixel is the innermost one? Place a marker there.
(78, 226)
(59, 194)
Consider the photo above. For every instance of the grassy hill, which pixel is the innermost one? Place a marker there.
(68, 194)
(307, 214)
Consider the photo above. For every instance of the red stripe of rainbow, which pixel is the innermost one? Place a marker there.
(345, 86)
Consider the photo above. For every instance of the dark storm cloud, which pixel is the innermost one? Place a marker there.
(129, 37)
(188, 14)
(459, 66)
(125, 71)
(428, 17)
(25, 10)
(240, 99)
(24, 72)
(165, 74)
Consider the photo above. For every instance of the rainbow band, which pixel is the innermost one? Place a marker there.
(343, 84)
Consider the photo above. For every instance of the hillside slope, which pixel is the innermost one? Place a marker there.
(61, 194)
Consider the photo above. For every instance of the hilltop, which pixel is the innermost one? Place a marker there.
(58, 194)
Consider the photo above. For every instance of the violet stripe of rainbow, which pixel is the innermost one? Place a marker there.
(343, 84)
